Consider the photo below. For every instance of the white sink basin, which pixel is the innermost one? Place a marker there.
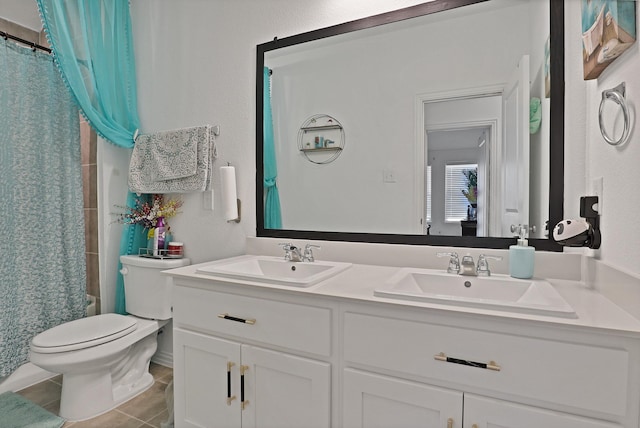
(274, 270)
(498, 292)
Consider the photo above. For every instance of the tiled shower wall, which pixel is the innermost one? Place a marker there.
(88, 147)
(88, 141)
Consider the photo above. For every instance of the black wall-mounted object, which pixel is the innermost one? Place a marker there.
(583, 232)
(589, 213)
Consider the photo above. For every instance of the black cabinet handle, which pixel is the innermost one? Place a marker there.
(225, 316)
(491, 365)
(230, 397)
(243, 402)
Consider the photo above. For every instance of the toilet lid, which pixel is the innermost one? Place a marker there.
(83, 333)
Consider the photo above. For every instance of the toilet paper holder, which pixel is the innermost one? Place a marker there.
(237, 219)
(230, 202)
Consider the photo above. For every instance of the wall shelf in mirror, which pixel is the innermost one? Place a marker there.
(322, 149)
(320, 128)
(321, 139)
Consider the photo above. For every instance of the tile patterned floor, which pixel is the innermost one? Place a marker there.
(146, 410)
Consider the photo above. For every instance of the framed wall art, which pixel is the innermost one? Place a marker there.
(608, 29)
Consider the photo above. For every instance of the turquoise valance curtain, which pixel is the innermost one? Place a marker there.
(272, 213)
(92, 46)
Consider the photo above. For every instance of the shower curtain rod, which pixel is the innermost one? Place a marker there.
(32, 45)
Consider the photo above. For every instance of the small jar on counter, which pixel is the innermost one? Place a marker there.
(175, 249)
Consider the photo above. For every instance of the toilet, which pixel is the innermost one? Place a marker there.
(104, 359)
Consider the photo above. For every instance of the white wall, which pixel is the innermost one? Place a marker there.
(21, 12)
(619, 166)
(196, 63)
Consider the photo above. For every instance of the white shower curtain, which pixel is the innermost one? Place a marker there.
(42, 252)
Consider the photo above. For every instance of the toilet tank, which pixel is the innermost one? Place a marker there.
(147, 290)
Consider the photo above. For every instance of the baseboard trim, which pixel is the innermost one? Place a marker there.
(163, 358)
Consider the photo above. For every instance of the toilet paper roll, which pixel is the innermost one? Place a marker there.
(228, 192)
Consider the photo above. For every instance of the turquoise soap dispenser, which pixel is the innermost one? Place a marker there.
(521, 256)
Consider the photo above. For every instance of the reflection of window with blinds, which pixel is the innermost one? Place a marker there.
(427, 200)
(455, 204)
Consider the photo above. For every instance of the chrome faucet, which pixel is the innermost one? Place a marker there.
(468, 267)
(308, 253)
(454, 262)
(293, 253)
(483, 265)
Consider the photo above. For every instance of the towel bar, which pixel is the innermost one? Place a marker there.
(617, 95)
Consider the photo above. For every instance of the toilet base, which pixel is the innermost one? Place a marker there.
(87, 395)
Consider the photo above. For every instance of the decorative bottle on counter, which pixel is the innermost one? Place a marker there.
(168, 237)
(150, 241)
(159, 237)
(521, 256)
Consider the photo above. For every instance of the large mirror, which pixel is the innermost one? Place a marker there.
(438, 124)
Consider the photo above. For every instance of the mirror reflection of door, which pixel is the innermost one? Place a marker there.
(461, 134)
(515, 149)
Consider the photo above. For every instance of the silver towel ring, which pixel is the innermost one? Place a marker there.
(617, 96)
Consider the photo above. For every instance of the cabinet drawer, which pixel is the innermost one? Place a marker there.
(300, 327)
(581, 376)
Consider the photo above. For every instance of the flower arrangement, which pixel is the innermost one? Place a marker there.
(471, 192)
(147, 213)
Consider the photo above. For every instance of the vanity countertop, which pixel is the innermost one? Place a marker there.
(594, 311)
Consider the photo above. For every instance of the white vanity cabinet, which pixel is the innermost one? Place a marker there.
(430, 374)
(372, 400)
(222, 379)
(375, 401)
(328, 360)
(483, 412)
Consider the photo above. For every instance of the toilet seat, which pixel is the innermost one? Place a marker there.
(83, 333)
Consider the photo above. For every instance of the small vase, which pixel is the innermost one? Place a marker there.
(472, 211)
(150, 241)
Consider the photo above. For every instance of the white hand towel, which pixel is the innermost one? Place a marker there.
(177, 161)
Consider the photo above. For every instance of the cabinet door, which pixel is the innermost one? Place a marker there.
(285, 391)
(372, 401)
(200, 381)
(482, 412)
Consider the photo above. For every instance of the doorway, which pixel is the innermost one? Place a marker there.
(456, 173)
(458, 133)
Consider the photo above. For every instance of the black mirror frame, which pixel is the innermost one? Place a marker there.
(556, 152)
